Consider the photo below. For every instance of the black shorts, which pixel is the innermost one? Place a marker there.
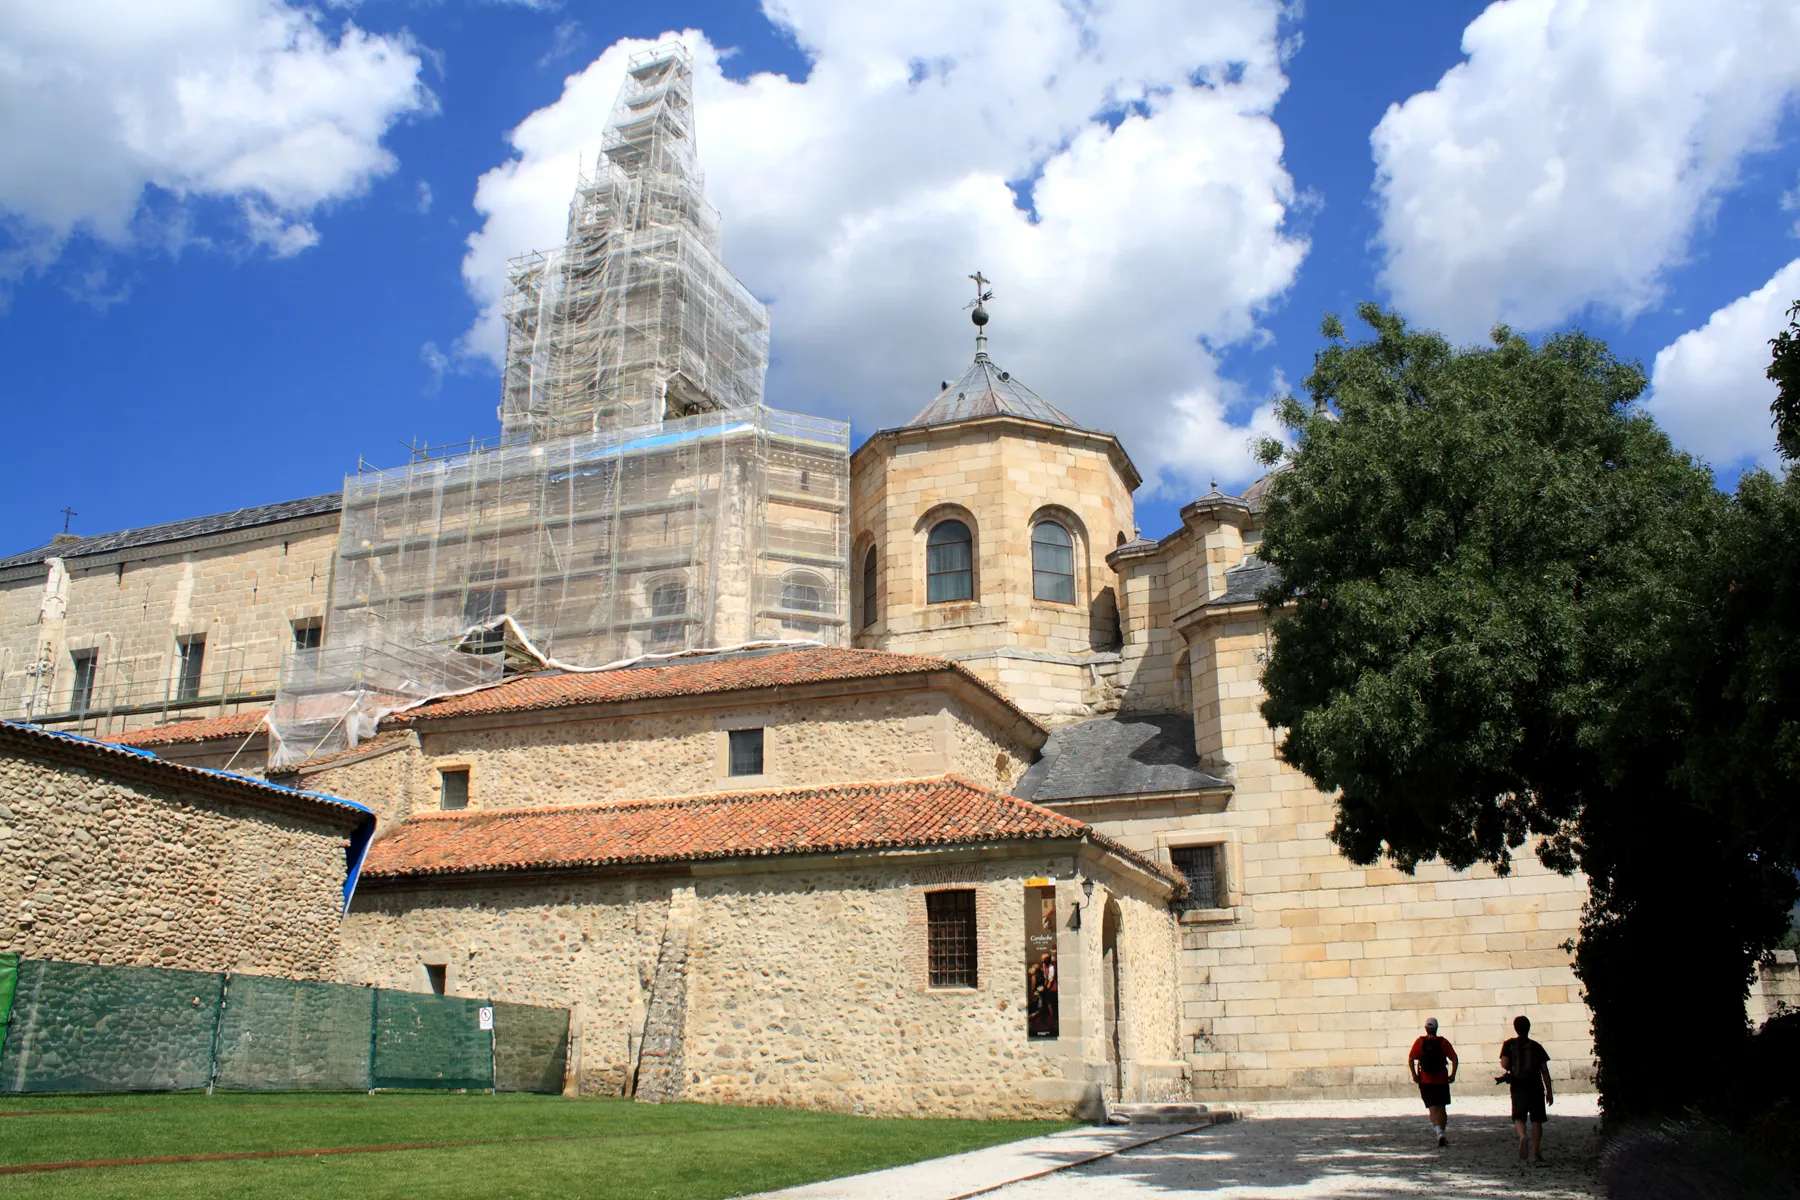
(1529, 1106)
(1435, 1095)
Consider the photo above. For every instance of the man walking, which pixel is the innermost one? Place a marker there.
(1432, 1062)
(1527, 1067)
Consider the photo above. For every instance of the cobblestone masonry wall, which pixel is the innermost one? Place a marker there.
(869, 738)
(803, 987)
(122, 874)
(589, 945)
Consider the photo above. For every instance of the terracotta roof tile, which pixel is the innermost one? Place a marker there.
(690, 677)
(917, 813)
(177, 733)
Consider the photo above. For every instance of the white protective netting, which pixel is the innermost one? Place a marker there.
(641, 500)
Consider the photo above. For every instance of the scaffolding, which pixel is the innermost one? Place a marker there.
(636, 318)
(641, 499)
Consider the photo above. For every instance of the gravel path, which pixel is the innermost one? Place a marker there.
(1363, 1149)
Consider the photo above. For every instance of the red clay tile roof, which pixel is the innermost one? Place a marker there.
(176, 733)
(696, 677)
(914, 813)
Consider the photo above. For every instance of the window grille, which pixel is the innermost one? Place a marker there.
(746, 752)
(455, 793)
(868, 592)
(193, 657)
(1203, 868)
(949, 563)
(81, 695)
(1052, 563)
(802, 591)
(950, 938)
(668, 600)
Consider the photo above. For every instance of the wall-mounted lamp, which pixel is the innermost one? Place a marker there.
(1087, 893)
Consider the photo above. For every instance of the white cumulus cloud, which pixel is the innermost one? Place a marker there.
(255, 101)
(857, 202)
(1570, 158)
(1708, 388)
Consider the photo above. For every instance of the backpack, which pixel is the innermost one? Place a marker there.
(1431, 1056)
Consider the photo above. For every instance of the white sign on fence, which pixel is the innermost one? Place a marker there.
(487, 1017)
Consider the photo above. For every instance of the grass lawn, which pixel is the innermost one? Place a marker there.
(529, 1146)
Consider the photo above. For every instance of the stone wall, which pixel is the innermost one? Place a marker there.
(242, 591)
(116, 872)
(999, 477)
(581, 756)
(588, 944)
(797, 983)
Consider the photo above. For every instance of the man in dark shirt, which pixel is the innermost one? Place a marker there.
(1527, 1067)
(1432, 1061)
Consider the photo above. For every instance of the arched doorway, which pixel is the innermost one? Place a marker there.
(1111, 998)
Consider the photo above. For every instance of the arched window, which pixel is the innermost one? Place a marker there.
(1052, 563)
(803, 592)
(949, 563)
(868, 592)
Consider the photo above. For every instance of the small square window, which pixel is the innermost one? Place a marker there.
(308, 633)
(746, 752)
(436, 975)
(455, 793)
(950, 938)
(1204, 869)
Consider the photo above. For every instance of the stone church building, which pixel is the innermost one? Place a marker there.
(978, 815)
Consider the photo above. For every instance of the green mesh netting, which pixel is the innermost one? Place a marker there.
(9, 975)
(78, 1028)
(531, 1048)
(289, 1035)
(426, 1041)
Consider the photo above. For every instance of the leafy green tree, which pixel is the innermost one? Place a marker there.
(1488, 567)
(1784, 369)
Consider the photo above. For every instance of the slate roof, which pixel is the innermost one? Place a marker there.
(178, 733)
(174, 531)
(19, 738)
(692, 677)
(1127, 755)
(917, 813)
(986, 391)
(1244, 581)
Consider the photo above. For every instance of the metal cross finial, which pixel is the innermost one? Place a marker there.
(981, 290)
(68, 515)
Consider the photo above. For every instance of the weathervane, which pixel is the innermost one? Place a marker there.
(980, 315)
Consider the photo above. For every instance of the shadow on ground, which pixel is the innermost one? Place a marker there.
(1309, 1158)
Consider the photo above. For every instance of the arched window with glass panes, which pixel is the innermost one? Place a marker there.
(1052, 563)
(803, 592)
(869, 582)
(949, 563)
(668, 608)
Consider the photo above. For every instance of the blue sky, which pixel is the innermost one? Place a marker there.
(242, 260)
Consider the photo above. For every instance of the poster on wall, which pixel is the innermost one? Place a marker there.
(1041, 1019)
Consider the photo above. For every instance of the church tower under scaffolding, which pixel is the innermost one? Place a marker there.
(641, 498)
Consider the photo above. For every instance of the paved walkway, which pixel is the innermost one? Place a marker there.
(1365, 1150)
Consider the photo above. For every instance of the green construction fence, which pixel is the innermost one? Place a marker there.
(72, 1027)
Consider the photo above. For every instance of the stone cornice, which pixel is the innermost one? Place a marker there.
(1044, 430)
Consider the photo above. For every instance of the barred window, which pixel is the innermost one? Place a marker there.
(869, 579)
(950, 938)
(1204, 869)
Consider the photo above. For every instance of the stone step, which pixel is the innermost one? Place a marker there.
(1167, 1114)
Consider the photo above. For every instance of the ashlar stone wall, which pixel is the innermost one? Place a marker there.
(122, 873)
(241, 591)
(1000, 477)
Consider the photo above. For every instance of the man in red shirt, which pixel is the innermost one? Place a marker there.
(1432, 1062)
